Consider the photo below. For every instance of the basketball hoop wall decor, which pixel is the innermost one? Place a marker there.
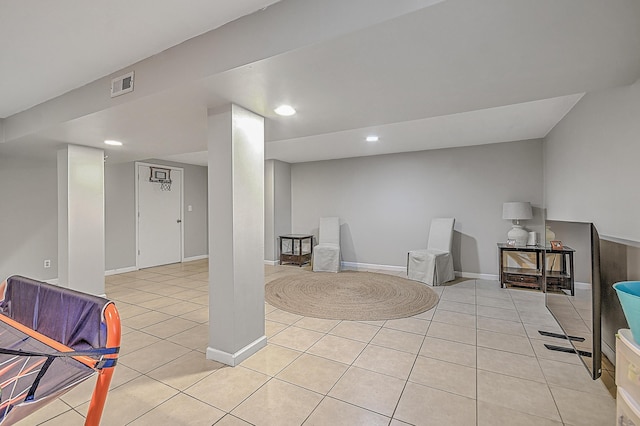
(162, 176)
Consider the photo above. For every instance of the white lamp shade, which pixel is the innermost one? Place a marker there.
(517, 210)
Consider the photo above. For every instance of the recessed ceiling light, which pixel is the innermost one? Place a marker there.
(285, 110)
(372, 138)
(112, 142)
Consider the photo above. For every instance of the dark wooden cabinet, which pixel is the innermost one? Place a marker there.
(527, 273)
(541, 268)
(296, 249)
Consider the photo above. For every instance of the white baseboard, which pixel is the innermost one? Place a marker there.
(489, 277)
(135, 268)
(346, 266)
(619, 240)
(236, 358)
(131, 268)
(120, 270)
(356, 266)
(192, 258)
(582, 286)
(106, 273)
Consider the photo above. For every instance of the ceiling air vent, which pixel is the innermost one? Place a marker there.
(121, 85)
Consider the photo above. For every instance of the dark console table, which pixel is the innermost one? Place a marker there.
(545, 275)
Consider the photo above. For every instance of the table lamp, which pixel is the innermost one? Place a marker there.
(517, 211)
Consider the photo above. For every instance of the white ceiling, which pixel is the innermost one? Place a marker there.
(51, 47)
(443, 74)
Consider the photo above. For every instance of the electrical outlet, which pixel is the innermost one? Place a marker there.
(47, 263)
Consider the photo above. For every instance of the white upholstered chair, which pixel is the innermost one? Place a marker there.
(434, 266)
(326, 255)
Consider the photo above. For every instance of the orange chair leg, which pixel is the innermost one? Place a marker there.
(99, 397)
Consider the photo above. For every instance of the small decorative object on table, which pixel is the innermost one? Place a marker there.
(517, 211)
(556, 245)
(511, 243)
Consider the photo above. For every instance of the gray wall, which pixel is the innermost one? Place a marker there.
(28, 222)
(195, 221)
(633, 262)
(386, 203)
(277, 206)
(591, 163)
(282, 185)
(269, 212)
(120, 224)
(28, 217)
(591, 175)
(577, 236)
(277, 202)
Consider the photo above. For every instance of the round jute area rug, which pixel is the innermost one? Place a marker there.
(357, 296)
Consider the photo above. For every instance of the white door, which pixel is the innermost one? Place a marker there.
(159, 220)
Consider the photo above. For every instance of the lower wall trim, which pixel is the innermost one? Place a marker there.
(347, 266)
(356, 266)
(135, 268)
(192, 258)
(582, 286)
(619, 240)
(236, 358)
(120, 271)
(490, 277)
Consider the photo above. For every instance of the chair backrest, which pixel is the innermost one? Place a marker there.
(65, 315)
(329, 231)
(441, 234)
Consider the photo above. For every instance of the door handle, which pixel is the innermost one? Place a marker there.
(179, 221)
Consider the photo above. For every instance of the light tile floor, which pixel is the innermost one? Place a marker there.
(475, 359)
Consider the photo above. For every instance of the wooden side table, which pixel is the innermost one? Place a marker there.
(543, 277)
(522, 277)
(299, 251)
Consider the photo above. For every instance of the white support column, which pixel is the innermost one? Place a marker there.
(236, 235)
(81, 219)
